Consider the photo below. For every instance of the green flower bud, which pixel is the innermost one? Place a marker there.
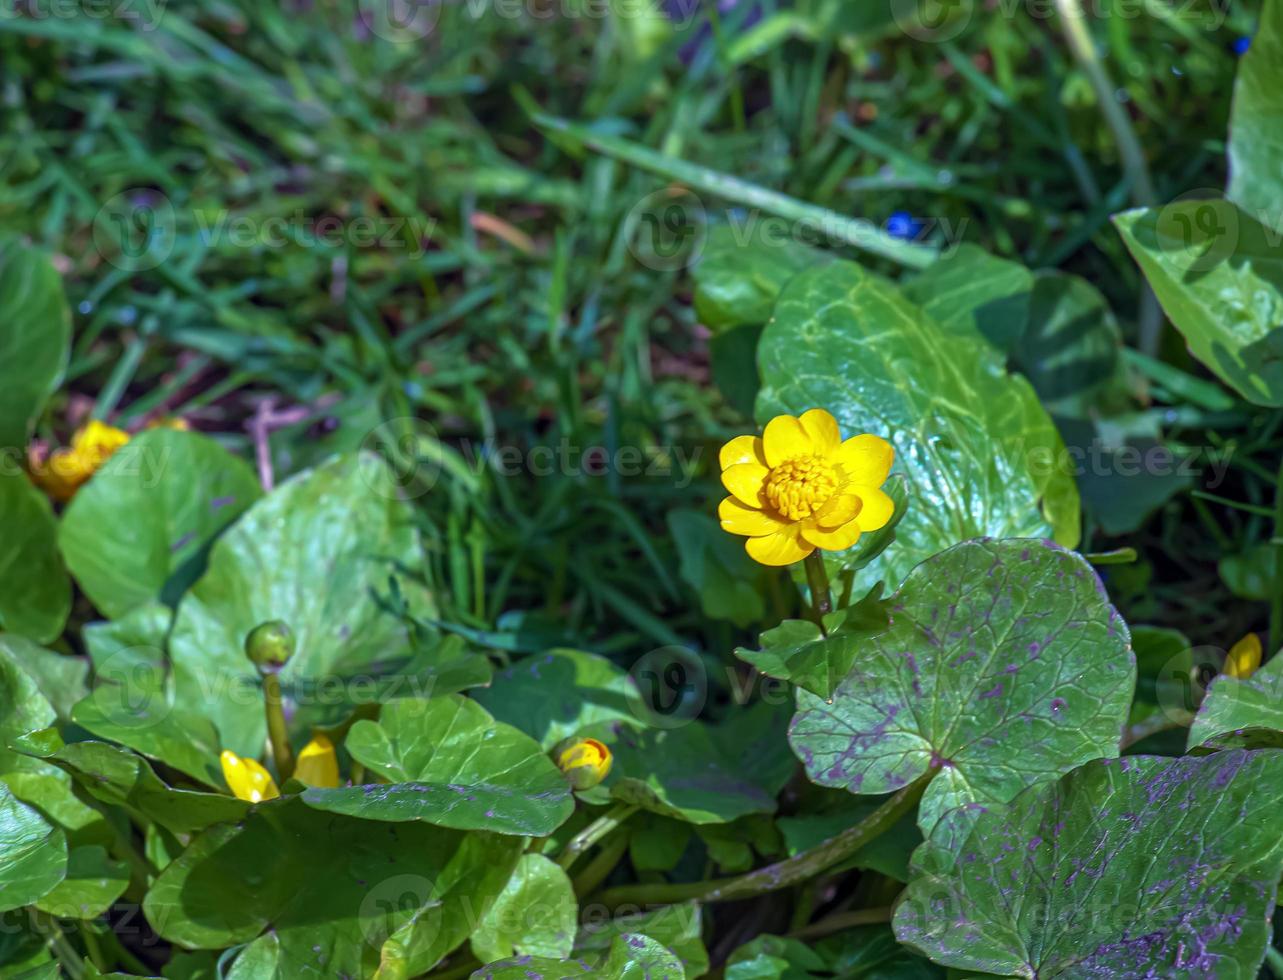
(269, 645)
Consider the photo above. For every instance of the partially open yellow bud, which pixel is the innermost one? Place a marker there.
(63, 472)
(247, 779)
(585, 761)
(318, 764)
(1244, 657)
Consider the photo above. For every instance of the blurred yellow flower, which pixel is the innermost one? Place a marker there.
(1244, 657)
(799, 487)
(247, 779)
(169, 422)
(585, 761)
(318, 764)
(64, 471)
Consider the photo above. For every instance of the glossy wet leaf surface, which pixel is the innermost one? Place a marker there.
(1142, 866)
(973, 441)
(447, 762)
(35, 592)
(534, 915)
(1232, 704)
(35, 338)
(1004, 665)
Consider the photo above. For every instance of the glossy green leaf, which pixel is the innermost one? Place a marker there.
(534, 915)
(142, 527)
(334, 890)
(35, 338)
(35, 592)
(316, 553)
(447, 762)
(971, 293)
(1232, 704)
(678, 928)
(1004, 665)
(1256, 143)
(258, 960)
(1249, 574)
(59, 676)
(770, 957)
(23, 709)
(121, 778)
(131, 648)
(631, 957)
(33, 853)
(139, 714)
(740, 274)
(551, 696)
(1218, 273)
(94, 881)
(888, 854)
(872, 953)
(1142, 866)
(818, 661)
(973, 442)
(704, 773)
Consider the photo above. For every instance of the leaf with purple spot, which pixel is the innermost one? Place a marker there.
(1004, 665)
(630, 957)
(1135, 867)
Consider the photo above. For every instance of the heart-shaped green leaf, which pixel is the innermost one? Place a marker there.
(1232, 704)
(449, 763)
(551, 696)
(33, 853)
(316, 553)
(94, 881)
(1219, 274)
(740, 275)
(631, 957)
(678, 928)
(35, 338)
(974, 443)
(534, 915)
(1142, 866)
(973, 294)
(142, 527)
(35, 592)
(1004, 665)
(334, 890)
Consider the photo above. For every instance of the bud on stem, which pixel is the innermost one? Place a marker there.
(269, 647)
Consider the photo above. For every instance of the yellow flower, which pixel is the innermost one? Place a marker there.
(318, 765)
(800, 487)
(1244, 657)
(247, 779)
(585, 761)
(64, 471)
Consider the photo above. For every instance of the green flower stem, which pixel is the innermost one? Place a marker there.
(63, 951)
(279, 735)
(588, 880)
(817, 579)
(1276, 597)
(783, 874)
(842, 920)
(594, 832)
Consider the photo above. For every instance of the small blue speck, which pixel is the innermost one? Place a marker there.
(85, 307)
(904, 226)
(1241, 45)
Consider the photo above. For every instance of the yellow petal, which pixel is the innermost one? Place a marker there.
(247, 779)
(823, 430)
(876, 508)
(838, 511)
(865, 460)
(585, 762)
(835, 540)
(742, 449)
(1244, 657)
(785, 438)
(747, 482)
(783, 547)
(738, 518)
(318, 764)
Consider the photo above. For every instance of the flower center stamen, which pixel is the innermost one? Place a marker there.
(800, 486)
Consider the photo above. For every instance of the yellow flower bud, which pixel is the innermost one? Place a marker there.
(318, 764)
(1244, 657)
(585, 761)
(247, 779)
(63, 472)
